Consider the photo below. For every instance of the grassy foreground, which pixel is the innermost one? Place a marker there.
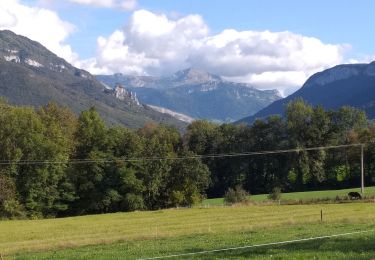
(307, 195)
(147, 234)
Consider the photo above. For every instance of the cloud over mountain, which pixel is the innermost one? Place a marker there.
(39, 24)
(154, 44)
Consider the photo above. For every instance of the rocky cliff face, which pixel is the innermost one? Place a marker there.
(122, 94)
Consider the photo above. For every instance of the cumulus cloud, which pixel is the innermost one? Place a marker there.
(155, 44)
(152, 43)
(149, 44)
(38, 24)
(119, 4)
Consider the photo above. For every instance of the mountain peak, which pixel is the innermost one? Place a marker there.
(198, 94)
(194, 76)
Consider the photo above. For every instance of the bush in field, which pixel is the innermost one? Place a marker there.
(236, 195)
(275, 194)
(9, 205)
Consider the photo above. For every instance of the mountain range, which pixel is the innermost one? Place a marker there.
(196, 93)
(32, 75)
(342, 85)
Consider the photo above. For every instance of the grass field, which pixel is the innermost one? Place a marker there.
(359, 246)
(147, 234)
(369, 191)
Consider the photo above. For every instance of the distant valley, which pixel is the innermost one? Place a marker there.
(197, 94)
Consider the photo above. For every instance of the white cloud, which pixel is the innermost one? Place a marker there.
(150, 44)
(156, 44)
(122, 4)
(361, 59)
(38, 24)
(112, 53)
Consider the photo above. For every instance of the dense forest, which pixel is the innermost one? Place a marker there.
(53, 163)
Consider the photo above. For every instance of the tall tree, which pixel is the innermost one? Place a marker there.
(88, 175)
(204, 138)
(29, 143)
(123, 180)
(188, 180)
(264, 172)
(160, 142)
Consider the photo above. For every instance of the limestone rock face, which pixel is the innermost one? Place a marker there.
(127, 96)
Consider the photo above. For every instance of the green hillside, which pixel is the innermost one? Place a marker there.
(31, 75)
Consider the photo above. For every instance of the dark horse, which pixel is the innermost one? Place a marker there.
(353, 195)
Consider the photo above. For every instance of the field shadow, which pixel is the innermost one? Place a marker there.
(351, 248)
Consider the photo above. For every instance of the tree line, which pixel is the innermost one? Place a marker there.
(53, 163)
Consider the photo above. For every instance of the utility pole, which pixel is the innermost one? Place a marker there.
(362, 173)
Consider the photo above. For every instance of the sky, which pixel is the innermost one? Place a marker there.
(271, 44)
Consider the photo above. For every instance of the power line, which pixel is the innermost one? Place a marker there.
(207, 156)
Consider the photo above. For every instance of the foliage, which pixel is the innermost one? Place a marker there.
(61, 165)
(188, 181)
(9, 204)
(236, 195)
(275, 194)
(25, 136)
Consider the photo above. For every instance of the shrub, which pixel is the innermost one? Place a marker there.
(275, 194)
(9, 204)
(236, 195)
(12, 209)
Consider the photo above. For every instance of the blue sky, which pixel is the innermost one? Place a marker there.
(333, 21)
(268, 43)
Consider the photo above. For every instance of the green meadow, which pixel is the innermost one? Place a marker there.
(296, 196)
(139, 235)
